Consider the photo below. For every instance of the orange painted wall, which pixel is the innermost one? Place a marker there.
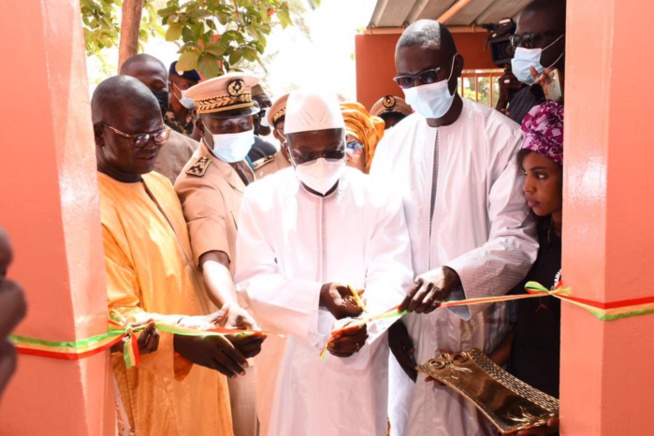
(606, 370)
(375, 62)
(50, 209)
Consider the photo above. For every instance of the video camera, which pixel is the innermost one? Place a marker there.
(499, 41)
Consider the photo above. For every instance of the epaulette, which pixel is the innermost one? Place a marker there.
(259, 163)
(200, 167)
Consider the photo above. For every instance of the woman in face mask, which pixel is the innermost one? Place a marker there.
(364, 132)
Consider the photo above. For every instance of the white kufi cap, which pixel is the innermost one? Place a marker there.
(312, 110)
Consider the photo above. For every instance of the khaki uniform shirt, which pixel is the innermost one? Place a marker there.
(270, 164)
(210, 191)
(174, 154)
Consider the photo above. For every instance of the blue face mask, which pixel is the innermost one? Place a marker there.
(231, 147)
(432, 100)
(525, 58)
(185, 101)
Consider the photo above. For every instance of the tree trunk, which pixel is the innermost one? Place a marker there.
(129, 30)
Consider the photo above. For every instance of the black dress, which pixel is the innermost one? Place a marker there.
(536, 345)
(524, 100)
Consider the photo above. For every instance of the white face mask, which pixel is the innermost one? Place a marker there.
(264, 118)
(183, 100)
(432, 100)
(525, 58)
(321, 174)
(232, 147)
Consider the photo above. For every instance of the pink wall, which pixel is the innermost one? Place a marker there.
(50, 209)
(607, 380)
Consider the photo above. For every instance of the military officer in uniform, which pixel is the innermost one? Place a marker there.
(391, 109)
(280, 160)
(210, 189)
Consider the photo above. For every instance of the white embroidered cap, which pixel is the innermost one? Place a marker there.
(308, 110)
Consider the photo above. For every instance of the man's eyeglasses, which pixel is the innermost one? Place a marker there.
(140, 140)
(425, 76)
(339, 153)
(529, 40)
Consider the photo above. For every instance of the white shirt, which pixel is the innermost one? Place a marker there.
(480, 228)
(290, 243)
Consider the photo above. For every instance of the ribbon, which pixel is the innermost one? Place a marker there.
(390, 313)
(117, 331)
(357, 299)
(603, 311)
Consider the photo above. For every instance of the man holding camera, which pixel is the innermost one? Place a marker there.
(539, 59)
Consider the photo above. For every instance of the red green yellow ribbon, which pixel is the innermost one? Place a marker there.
(118, 330)
(602, 311)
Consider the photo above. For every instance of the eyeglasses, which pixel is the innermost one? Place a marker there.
(425, 76)
(353, 146)
(140, 140)
(529, 40)
(339, 153)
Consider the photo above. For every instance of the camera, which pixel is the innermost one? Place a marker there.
(499, 41)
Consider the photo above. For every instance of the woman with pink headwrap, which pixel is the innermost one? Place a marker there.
(364, 131)
(533, 354)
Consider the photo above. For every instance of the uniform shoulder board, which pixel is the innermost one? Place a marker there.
(199, 168)
(259, 163)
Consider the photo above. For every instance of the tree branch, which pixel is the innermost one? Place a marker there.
(129, 30)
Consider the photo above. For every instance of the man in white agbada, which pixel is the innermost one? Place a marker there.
(453, 162)
(305, 233)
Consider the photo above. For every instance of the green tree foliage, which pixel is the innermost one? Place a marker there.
(214, 35)
(483, 83)
(101, 23)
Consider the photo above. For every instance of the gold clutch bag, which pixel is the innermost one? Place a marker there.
(509, 403)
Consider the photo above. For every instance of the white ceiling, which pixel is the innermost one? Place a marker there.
(401, 13)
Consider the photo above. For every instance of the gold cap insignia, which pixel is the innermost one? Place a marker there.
(224, 93)
(389, 101)
(235, 87)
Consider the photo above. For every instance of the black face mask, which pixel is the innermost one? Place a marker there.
(162, 98)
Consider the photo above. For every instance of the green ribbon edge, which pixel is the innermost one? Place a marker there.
(597, 313)
(68, 344)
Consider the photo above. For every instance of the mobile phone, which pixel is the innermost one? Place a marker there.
(554, 86)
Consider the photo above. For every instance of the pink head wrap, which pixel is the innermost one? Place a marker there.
(543, 131)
